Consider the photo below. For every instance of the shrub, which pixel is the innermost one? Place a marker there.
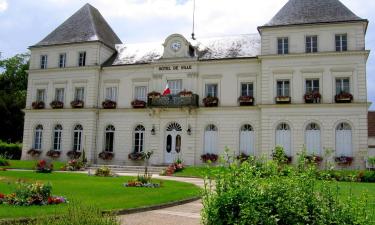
(42, 166)
(4, 161)
(74, 165)
(280, 157)
(11, 150)
(104, 172)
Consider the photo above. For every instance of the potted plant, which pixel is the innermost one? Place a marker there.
(153, 94)
(38, 105)
(136, 156)
(109, 104)
(138, 104)
(246, 100)
(34, 152)
(314, 159)
(312, 97)
(344, 160)
(77, 104)
(57, 104)
(344, 97)
(283, 99)
(210, 101)
(209, 157)
(54, 154)
(105, 155)
(73, 154)
(185, 93)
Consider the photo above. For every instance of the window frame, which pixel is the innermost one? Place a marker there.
(82, 59)
(283, 88)
(341, 44)
(207, 91)
(311, 44)
(38, 137)
(109, 138)
(60, 96)
(249, 92)
(139, 138)
(175, 85)
(313, 88)
(282, 45)
(77, 140)
(38, 91)
(57, 137)
(140, 89)
(113, 93)
(43, 61)
(342, 85)
(62, 60)
(77, 95)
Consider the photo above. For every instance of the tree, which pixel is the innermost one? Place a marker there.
(13, 86)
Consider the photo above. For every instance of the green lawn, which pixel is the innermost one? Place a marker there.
(30, 164)
(196, 171)
(104, 192)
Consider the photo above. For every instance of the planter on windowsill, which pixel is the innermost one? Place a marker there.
(54, 154)
(344, 160)
(314, 159)
(185, 93)
(136, 156)
(57, 105)
(287, 159)
(34, 152)
(314, 97)
(283, 99)
(344, 98)
(209, 157)
(77, 104)
(246, 100)
(109, 104)
(105, 155)
(138, 104)
(38, 105)
(243, 157)
(73, 154)
(211, 101)
(153, 94)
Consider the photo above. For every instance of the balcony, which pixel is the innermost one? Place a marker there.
(173, 101)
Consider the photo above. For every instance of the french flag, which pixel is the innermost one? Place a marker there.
(167, 91)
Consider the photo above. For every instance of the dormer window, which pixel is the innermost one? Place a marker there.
(62, 60)
(341, 43)
(43, 61)
(283, 46)
(311, 44)
(82, 59)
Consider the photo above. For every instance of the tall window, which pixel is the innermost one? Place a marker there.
(211, 90)
(40, 95)
(141, 93)
(77, 138)
(312, 85)
(342, 85)
(311, 44)
(111, 93)
(139, 135)
(312, 139)
(247, 139)
(38, 137)
(247, 89)
(210, 139)
(59, 94)
(283, 88)
(57, 132)
(82, 59)
(109, 138)
(43, 61)
(62, 60)
(341, 42)
(344, 140)
(79, 93)
(282, 46)
(283, 138)
(175, 86)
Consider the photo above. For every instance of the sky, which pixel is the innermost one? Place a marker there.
(26, 22)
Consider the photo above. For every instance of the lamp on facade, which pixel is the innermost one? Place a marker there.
(153, 132)
(188, 131)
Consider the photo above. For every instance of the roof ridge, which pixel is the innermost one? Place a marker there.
(92, 18)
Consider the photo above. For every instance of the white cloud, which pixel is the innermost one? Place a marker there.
(3, 5)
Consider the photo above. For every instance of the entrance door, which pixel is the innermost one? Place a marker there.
(173, 142)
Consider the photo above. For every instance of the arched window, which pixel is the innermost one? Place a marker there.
(109, 138)
(210, 139)
(38, 137)
(57, 132)
(312, 139)
(139, 136)
(77, 138)
(283, 137)
(344, 140)
(247, 139)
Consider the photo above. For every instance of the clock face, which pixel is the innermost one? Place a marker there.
(175, 46)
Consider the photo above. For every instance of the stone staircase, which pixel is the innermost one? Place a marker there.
(129, 169)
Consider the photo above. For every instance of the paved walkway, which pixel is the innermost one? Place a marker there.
(186, 214)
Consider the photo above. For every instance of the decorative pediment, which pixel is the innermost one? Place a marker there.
(176, 46)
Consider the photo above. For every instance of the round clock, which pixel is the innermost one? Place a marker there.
(175, 46)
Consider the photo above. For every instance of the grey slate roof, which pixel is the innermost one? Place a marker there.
(227, 47)
(312, 11)
(86, 25)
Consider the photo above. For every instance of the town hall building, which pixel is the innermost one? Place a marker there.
(300, 82)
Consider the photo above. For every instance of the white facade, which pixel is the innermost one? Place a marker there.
(209, 129)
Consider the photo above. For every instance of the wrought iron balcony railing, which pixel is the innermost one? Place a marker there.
(174, 101)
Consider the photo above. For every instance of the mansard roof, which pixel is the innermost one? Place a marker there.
(86, 25)
(227, 47)
(297, 12)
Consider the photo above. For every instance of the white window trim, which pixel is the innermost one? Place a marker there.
(320, 84)
(109, 85)
(283, 45)
(64, 61)
(284, 76)
(311, 43)
(135, 97)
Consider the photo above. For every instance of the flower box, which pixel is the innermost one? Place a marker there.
(73, 154)
(138, 104)
(109, 104)
(136, 156)
(246, 100)
(153, 94)
(344, 160)
(106, 155)
(283, 99)
(211, 101)
(77, 104)
(314, 97)
(314, 159)
(34, 152)
(209, 157)
(344, 98)
(38, 105)
(57, 105)
(185, 93)
(53, 154)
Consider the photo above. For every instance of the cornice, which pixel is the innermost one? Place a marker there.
(65, 69)
(318, 54)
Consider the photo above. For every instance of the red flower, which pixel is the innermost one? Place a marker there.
(2, 196)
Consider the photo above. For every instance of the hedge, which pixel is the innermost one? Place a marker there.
(11, 150)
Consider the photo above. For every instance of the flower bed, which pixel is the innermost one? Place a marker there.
(344, 98)
(136, 156)
(344, 160)
(142, 181)
(54, 154)
(106, 155)
(34, 152)
(104, 172)
(138, 104)
(314, 97)
(74, 165)
(42, 166)
(38, 105)
(209, 157)
(246, 100)
(57, 105)
(73, 154)
(211, 101)
(108, 104)
(76, 104)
